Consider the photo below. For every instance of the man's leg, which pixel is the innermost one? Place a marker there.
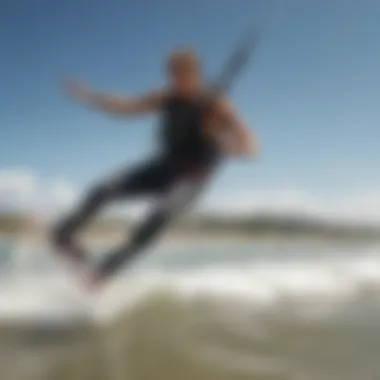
(143, 236)
(145, 179)
(176, 200)
(63, 233)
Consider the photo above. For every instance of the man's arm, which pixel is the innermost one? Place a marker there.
(115, 105)
(244, 141)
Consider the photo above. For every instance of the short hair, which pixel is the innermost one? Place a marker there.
(183, 58)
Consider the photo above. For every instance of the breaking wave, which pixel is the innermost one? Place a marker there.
(295, 319)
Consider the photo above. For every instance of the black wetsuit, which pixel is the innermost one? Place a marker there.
(176, 175)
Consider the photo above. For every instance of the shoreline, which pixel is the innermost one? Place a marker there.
(212, 237)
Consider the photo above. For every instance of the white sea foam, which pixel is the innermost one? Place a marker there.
(290, 319)
(320, 284)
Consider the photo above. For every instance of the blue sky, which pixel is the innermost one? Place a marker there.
(312, 92)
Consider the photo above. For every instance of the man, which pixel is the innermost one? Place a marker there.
(194, 120)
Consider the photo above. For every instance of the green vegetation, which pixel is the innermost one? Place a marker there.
(288, 225)
(13, 223)
(257, 225)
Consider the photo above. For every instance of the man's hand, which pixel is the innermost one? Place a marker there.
(78, 90)
(240, 141)
(236, 147)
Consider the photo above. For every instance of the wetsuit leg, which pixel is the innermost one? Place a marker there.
(150, 178)
(174, 202)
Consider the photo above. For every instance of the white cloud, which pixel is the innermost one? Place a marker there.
(17, 189)
(61, 194)
(358, 207)
(278, 201)
(25, 190)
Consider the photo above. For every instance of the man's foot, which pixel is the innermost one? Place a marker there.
(67, 249)
(94, 280)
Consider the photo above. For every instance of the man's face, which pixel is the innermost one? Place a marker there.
(185, 78)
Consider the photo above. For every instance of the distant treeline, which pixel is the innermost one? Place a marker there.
(258, 224)
(19, 223)
(12, 222)
(288, 225)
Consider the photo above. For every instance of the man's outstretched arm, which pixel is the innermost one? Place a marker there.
(115, 105)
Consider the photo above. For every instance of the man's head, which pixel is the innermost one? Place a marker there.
(184, 69)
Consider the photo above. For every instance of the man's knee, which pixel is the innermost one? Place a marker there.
(149, 229)
(102, 192)
(97, 196)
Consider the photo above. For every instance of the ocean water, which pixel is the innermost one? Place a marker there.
(200, 311)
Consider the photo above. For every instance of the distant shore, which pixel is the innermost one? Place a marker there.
(205, 237)
(257, 228)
